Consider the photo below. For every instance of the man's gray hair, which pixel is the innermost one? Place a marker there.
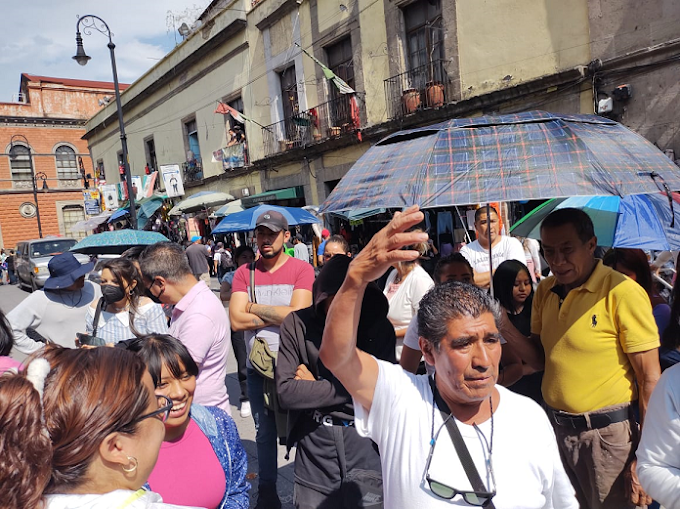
(164, 259)
(450, 301)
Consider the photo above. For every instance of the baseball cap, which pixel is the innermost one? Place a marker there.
(325, 233)
(195, 238)
(273, 220)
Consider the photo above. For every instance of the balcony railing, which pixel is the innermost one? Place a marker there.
(424, 87)
(331, 119)
(193, 171)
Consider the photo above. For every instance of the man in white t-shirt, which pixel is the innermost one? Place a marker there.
(509, 437)
(502, 247)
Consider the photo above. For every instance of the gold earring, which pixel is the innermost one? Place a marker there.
(135, 464)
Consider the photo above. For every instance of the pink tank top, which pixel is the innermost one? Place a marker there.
(188, 472)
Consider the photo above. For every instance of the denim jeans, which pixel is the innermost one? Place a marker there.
(265, 424)
(238, 343)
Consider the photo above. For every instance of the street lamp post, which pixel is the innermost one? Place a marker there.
(95, 22)
(40, 175)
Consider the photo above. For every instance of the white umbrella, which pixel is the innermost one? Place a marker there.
(229, 208)
(201, 201)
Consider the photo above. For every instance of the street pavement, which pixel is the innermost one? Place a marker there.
(11, 295)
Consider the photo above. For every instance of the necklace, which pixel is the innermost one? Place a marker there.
(72, 299)
(487, 443)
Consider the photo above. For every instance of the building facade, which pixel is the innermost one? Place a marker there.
(41, 148)
(411, 63)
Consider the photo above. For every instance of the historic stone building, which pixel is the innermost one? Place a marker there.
(41, 145)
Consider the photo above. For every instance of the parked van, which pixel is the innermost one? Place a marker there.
(32, 256)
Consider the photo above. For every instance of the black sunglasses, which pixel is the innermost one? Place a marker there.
(475, 498)
(164, 407)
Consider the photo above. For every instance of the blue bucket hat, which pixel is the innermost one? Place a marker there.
(65, 269)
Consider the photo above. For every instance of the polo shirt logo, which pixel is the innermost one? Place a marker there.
(593, 322)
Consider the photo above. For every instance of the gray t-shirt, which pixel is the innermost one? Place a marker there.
(56, 316)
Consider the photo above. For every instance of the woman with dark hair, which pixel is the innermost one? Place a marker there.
(80, 428)
(634, 264)
(194, 435)
(123, 312)
(513, 287)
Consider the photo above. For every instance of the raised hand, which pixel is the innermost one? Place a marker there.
(385, 248)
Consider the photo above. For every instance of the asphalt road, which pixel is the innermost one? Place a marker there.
(11, 296)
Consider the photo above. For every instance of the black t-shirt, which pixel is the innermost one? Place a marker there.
(522, 320)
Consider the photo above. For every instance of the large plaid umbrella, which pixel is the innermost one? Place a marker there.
(525, 156)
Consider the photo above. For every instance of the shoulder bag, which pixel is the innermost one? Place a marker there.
(263, 361)
(459, 444)
(261, 357)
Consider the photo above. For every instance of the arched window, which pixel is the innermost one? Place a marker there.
(20, 162)
(67, 166)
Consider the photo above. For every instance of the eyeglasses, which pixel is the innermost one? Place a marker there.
(475, 498)
(164, 406)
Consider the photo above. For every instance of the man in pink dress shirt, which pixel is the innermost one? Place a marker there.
(198, 320)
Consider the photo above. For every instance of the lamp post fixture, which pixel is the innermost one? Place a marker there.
(41, 175)
(90, 22)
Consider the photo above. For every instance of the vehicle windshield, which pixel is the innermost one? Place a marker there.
(51, 247)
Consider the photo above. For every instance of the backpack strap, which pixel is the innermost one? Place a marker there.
(97, 314)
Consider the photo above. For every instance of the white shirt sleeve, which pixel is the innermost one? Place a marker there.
(411, 337)
(387, 393)
(515, 251)
(27, 314)
(421, 284)
(658, 455)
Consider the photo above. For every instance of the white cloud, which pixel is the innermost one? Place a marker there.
(40, 38)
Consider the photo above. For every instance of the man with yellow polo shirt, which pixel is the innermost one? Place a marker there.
(596, 329)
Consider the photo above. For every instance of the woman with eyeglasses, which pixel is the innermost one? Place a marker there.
(80, 428)
(201, 461)
(123, 312)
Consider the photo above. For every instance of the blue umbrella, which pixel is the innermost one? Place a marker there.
(643, 221)
(117, 241)
(245, 221)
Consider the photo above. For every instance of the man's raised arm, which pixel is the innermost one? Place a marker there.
(357, 370)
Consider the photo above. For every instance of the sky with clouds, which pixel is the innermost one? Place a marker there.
(40, 38)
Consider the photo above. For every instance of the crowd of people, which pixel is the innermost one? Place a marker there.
(484, 383)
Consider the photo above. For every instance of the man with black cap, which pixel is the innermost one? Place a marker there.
(282, 284)
(58, 311)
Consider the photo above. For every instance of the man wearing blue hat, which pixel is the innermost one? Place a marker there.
(58, 311)
(197, 260)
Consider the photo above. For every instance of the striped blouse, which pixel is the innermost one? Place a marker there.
(115, 327)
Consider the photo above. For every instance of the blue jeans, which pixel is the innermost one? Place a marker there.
(265, 425)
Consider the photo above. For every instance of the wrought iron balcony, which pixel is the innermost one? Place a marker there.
(331, 119)
(193, 171)
(424, 87)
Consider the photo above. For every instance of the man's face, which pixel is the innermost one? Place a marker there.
(483, 224)
(332, 249)
(467, 360)
(270, 243)
(570, 259)
(155, 290)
